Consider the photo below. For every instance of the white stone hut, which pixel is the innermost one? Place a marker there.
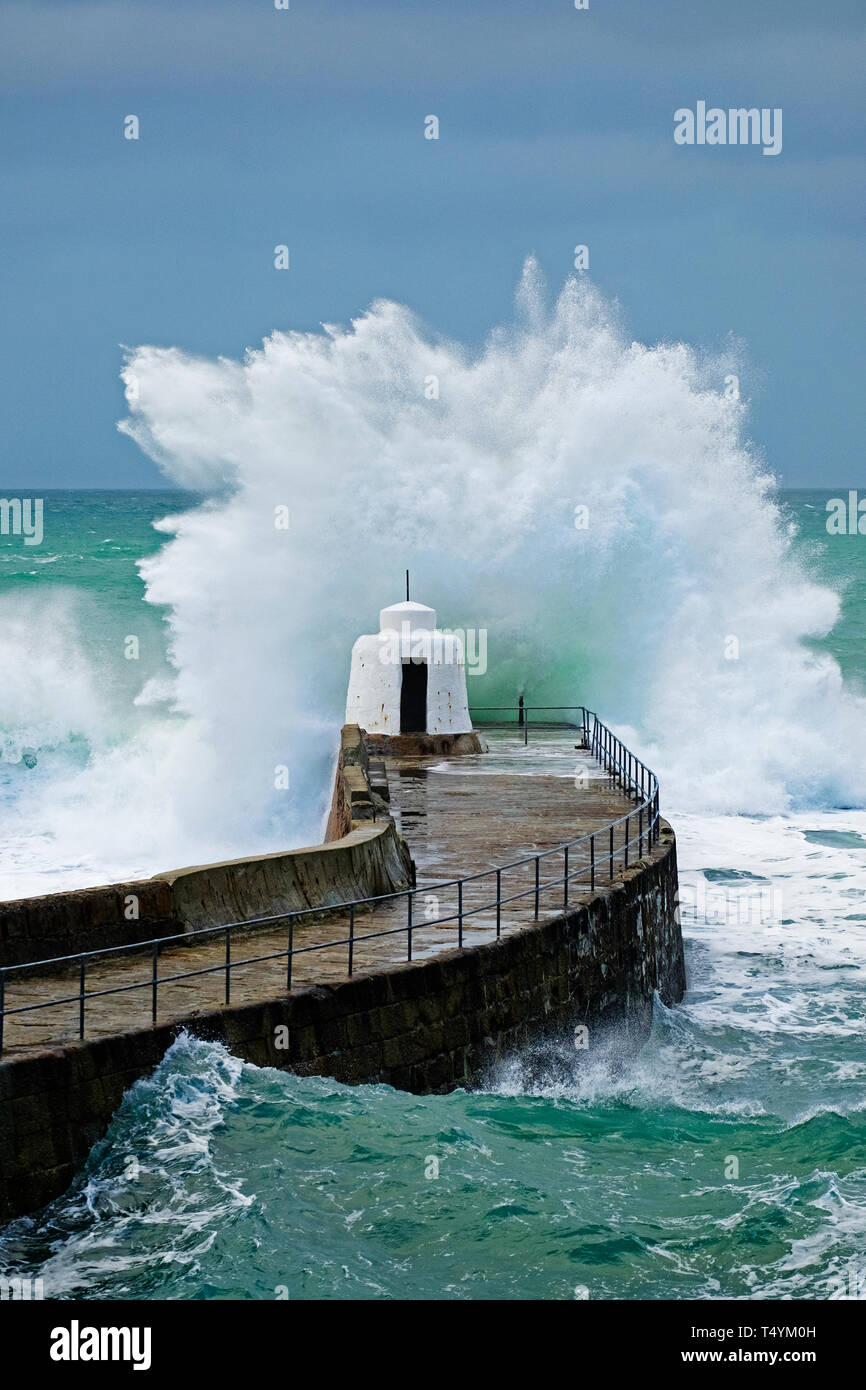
(408, 678)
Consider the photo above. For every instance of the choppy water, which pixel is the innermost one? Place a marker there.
(223, 1180)
(729, 1159)
(219, 1179)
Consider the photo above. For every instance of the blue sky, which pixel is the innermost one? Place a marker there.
(305, 127)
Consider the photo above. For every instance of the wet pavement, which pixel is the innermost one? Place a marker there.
(461, 816)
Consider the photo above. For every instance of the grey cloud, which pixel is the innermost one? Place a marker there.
(369, 47)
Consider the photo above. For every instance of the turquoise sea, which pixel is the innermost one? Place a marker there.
(727, 1160)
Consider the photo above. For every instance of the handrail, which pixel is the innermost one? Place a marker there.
(628, 772)
(522, 710)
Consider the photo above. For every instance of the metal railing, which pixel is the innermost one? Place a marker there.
(587, 861)
(521, 712)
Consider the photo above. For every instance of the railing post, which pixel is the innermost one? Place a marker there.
(154, 982)
(525, 727)
(623, 765)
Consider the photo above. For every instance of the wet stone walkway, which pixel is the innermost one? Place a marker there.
(460, 816)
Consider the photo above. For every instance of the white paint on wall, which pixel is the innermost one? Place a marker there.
(408, 632)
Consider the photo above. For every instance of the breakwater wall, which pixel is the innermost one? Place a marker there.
(363, 855)
(428, 1025)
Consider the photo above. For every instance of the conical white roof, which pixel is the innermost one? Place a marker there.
(418, 615)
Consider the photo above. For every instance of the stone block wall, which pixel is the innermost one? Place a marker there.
(363, 856)
(428, 1025)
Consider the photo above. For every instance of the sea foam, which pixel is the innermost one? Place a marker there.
(392, 448)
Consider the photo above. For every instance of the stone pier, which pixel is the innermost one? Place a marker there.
(593, 946)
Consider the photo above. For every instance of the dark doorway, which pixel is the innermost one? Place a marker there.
(413, 698)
